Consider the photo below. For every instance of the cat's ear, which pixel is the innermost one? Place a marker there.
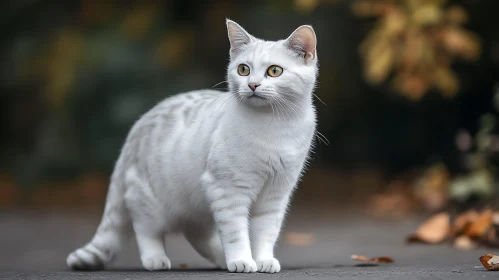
(238, 37)
(303, 42)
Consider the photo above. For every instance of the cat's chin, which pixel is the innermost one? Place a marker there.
(256, 100)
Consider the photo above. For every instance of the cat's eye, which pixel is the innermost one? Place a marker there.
(274, 71)
(243, 70)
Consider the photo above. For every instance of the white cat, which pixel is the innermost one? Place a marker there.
(219, 167)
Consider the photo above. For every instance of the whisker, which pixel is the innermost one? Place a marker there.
(297, 111)
(219, 83)
(281, 105)
(277, 107)
(272, 120)
(224, 100)
(319, 99)
(321, 136)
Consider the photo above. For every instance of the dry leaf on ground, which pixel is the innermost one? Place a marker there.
(382, 259)
(375, 259)
(360, 258)
(481, 225)
(490, 262)
(434, 230)
(299, 239)
(463, 242)
(464, 220)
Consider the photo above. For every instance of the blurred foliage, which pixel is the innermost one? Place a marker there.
(417, 41)
(76, 75)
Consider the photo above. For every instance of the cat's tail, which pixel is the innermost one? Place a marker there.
(110, 235)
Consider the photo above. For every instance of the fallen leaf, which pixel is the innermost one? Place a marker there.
(375, 259)
(481, 225)
(360, 258)
(464, 220)
(490, 262)
(463, 242)
(382, 259)
(306, 6)
(299, 239)
(183, 265)
(434, 230)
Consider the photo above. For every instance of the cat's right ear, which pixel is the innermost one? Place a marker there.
(238, 37)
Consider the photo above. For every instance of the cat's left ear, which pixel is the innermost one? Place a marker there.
(238, 37)
(303, 42)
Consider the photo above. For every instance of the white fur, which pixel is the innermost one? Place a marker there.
(218, 167)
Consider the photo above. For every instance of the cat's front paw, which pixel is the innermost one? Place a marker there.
(241, 265)
(268, 265)
(156, 262)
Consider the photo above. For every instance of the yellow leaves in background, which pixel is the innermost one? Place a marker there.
(460, 42)
(416, 41)
(58, 64)
(432, 189)
(309, 6)
(306, 6)
(96, 11)
(140, 19)
(173, 48)
(456, 15)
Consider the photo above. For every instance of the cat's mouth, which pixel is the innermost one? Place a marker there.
(256, 95)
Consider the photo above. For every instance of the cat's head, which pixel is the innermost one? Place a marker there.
(266, 73)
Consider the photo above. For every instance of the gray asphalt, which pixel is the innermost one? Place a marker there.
(35, 245)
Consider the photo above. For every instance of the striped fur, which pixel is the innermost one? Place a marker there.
(219, 167)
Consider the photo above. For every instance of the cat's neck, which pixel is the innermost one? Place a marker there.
(283, 111)
(277, 115)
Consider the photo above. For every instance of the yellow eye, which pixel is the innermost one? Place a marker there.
(274, 71)
(243, 70)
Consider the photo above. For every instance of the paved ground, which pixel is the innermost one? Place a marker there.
(35, 245)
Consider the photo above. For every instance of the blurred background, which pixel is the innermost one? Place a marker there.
(408, 89)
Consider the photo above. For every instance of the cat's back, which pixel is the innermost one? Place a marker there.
(178, 110)
(171, 119)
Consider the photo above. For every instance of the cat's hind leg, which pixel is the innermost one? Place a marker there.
(148, 223)
(207, 244)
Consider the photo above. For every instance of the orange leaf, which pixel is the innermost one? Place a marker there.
(360, 258)
(481, 225)
(464, 220)
(183, 265)
(382, 259)
(434, 230)
(490, 262)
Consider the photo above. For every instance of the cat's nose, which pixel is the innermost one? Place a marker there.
(253, 86)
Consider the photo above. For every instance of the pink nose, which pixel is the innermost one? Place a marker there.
(253, 86)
